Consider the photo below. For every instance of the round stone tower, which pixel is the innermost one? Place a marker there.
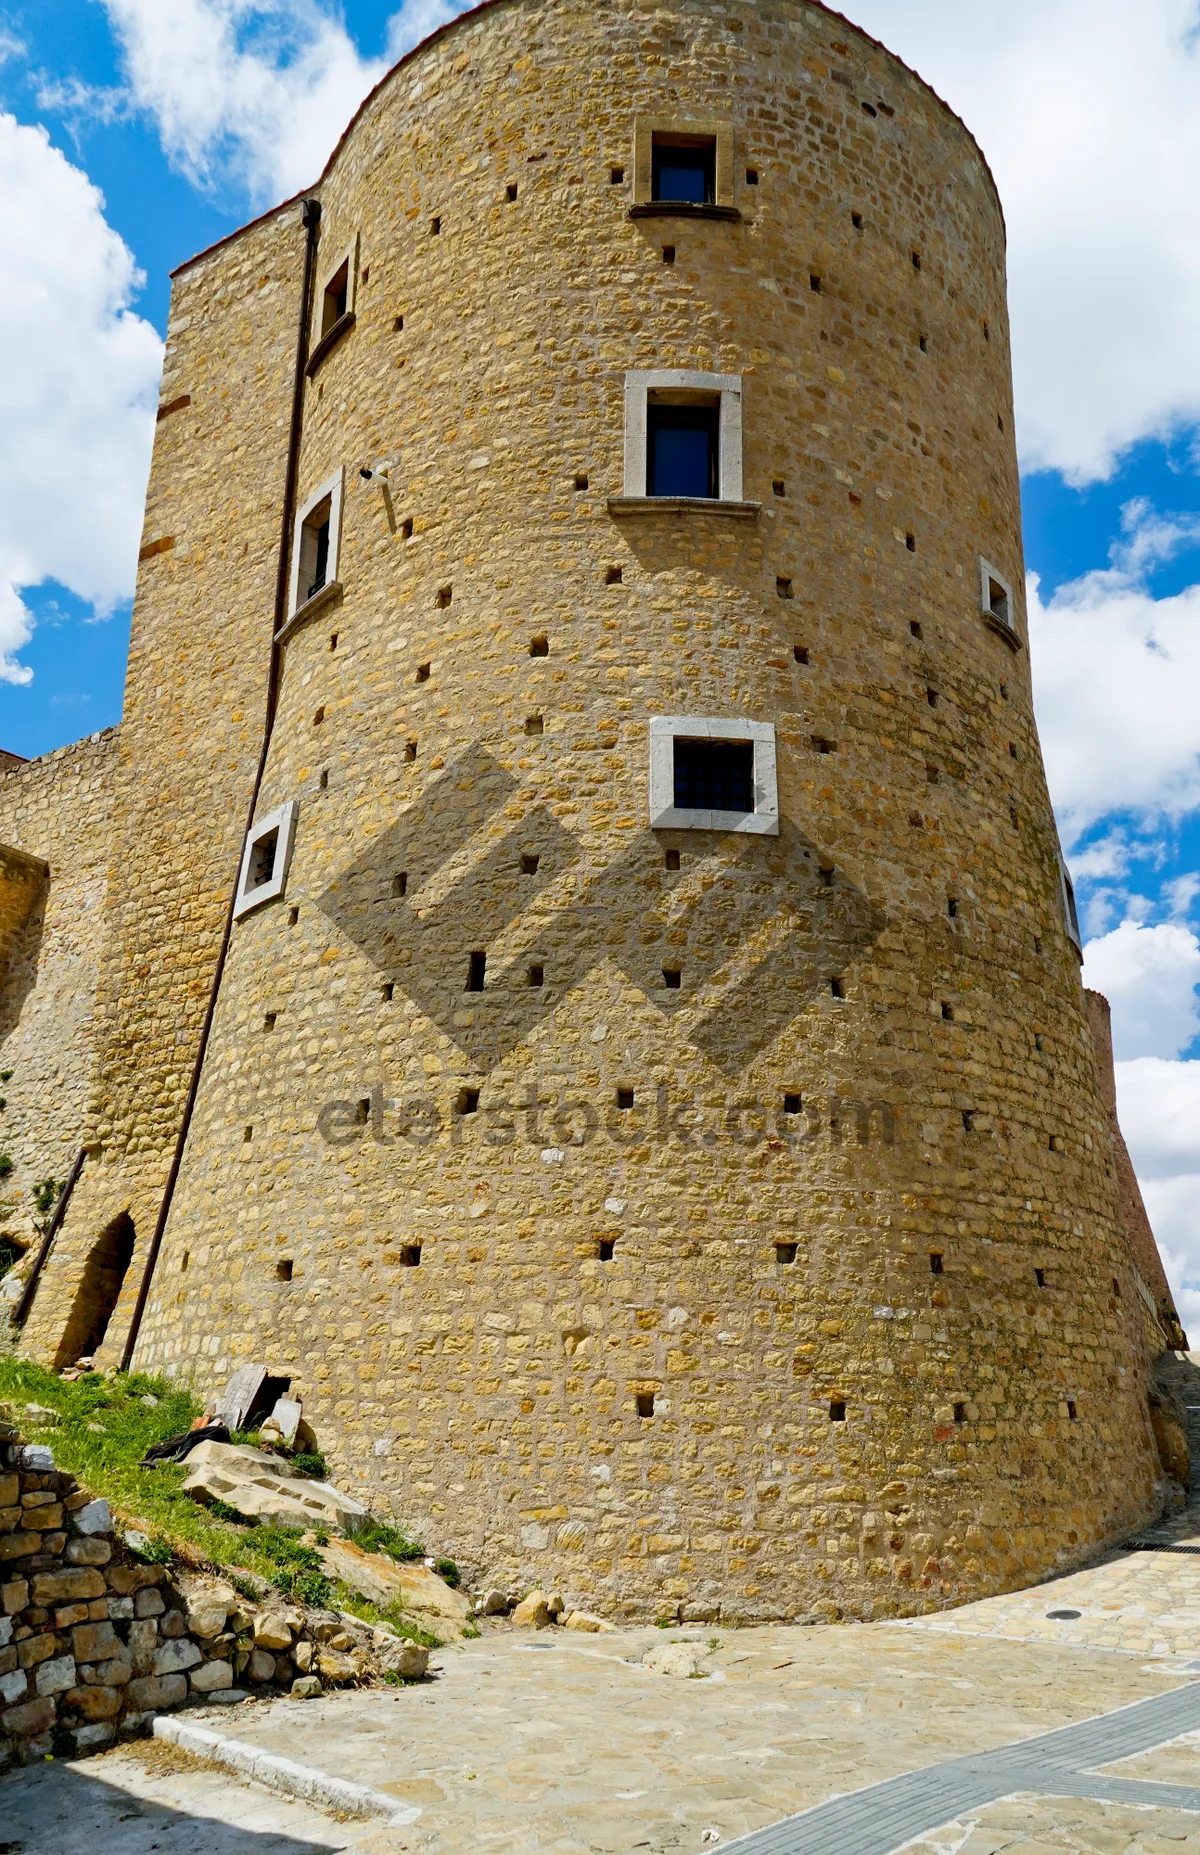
(651, 1116)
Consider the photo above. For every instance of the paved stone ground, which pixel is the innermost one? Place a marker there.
(565, 1744)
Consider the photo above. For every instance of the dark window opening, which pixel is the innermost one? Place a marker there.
(924, 343)
(785, 1253)
(931, 696)
(1004, 692)
(537, 975)
(714, 776)
(968, 1120)
(435, 226)
(933, 775)
(645, 1404)
(998, 601)
(397, 324)
(870, 109)
(406, 528)
(262, 859)
(1116, 1288)
(283, 1269)
(362, 1110)
(671, 860)
(476, 972)
(916, 260)
(814, 281)
(684, 169)
(672, 978)
(333, 638)
(467, 1102)
(1012, 749)
(837, 1410)
(184, 1260)
(936, 1263)
(336, 299)
(605, 1248)
(683, 450)
(318, 716)
(821, 744)
(247, 1135)
(314, 551)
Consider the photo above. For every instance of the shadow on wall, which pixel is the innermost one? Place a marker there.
(760, 924)
(98, 1292)
(61, 1809)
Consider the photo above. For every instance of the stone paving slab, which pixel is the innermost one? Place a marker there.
(541, 1744)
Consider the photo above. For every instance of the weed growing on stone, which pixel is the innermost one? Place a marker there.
(378, 1536)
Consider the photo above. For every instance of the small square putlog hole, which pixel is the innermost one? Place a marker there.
(467, 1102)
(800, 652)
(645, 1403)
(793, 1104)
(672, 978)
(605, 1248)
(536, 975)
(539, 647)
(960, 1413)
(837, 1410)
(624, 1099)
(936, 1263)
(400, 883)
(283, 1269)
(534, 724)
(785, 1254)
(529, 863)
(387, 991)
(783, 586)
(410, 1255)
(671, 860)
(477, 972)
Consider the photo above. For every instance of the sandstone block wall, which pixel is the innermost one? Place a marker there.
(55, 825)
(803, 1282)
(189, 740)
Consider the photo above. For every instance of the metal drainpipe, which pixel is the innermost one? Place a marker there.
(21, 1312)
(311, 221)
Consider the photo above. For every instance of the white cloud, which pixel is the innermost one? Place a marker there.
(1149, 977)
(1159, 1106)
(254, 91)
(77, 391)
(1115, 672)
(1089, 114)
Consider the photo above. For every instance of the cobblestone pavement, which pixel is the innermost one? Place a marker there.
(555, 1742)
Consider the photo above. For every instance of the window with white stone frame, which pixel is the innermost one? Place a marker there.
(266, 859)
(713, 775)
(996, 596)
(1070, 912)
(334, 306)
(683, 437)
(316, 546)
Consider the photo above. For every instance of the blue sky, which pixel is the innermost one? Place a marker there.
(168, 122)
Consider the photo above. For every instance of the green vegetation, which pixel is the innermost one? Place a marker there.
(105, 1426)
(6, 1166)
(10, 1253)
(46, 1194)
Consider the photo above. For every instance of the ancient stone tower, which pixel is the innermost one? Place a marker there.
(649, 1110)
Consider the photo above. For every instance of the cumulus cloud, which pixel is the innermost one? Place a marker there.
(1149, 977)
(1159, 1106)
(1089, 114)
(255, 92)
(77, 392)
(1115, 672)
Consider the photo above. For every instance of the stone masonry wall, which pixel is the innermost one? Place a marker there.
(58, 811)
(802, 1282)
(191, 734)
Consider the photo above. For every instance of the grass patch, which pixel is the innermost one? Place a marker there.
(393, 1615)
(378, 1536)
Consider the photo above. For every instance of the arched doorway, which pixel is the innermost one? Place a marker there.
(98, 1292)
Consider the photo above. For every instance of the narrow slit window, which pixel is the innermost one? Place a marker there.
(314, 551)
(683, 450)
(914, 625)
(476, 972)
(684, 169)
(996, 596)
